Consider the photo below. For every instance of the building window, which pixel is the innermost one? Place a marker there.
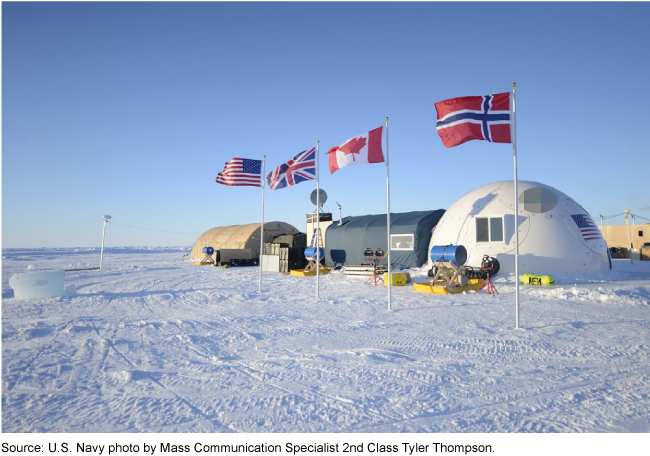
(640, 233)
(489, 229)
(401, 242)
(482, 230)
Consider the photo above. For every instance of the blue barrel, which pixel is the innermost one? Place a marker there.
(310, 252)
(449, 253)
(208, 250)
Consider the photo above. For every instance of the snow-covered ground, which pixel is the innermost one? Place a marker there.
(154, 343)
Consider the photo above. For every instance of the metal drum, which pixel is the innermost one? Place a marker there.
(310, 252)
(208, 250)
(449, 253)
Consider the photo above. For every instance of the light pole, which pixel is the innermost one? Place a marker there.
(101, 257)
(340, 219)
(629, 239)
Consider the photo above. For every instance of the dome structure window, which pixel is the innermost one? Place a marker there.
(489, 229)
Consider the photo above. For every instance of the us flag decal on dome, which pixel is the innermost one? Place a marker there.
(587, 227)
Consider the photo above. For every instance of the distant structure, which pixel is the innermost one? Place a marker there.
(239, 237)
(622, 236)
(556, 234)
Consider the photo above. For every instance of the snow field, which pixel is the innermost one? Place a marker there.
(154, 343)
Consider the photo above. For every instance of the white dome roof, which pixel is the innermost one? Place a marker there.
(556, 234)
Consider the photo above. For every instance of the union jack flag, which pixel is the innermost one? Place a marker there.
(587, 227)
(301, 168)
(485, 118)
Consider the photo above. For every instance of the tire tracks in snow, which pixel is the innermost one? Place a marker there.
(190, 404)
(280, 382)
(520, 402)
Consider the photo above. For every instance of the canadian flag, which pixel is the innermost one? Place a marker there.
(362, 149)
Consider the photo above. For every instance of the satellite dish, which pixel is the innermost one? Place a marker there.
(322, 196)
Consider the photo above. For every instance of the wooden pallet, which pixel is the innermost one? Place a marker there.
(303, 273)
(365, 270)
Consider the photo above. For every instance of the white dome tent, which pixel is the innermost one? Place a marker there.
(556, 234)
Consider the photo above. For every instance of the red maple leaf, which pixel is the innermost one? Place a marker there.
(353, 146)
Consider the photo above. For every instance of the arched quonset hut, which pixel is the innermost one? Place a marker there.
(239, 237)
(410, 235)
(556, 234)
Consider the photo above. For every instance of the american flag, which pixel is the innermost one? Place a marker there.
(301, 168)
(241, 172)
(587, 227)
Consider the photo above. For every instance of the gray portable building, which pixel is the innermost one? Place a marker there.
(410, 236)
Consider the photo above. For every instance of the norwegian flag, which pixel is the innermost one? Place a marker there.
(587, 227)
(486, 118)
(301, 168)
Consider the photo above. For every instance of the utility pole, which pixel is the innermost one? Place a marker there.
(101, 257)
(629, 238)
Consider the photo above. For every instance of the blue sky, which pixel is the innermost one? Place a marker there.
(131, 109)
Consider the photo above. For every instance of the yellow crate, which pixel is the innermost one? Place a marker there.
(398, 279)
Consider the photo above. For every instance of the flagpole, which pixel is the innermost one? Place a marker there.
(514, 148)
(317, 224)
(388, 216)
(262, 226)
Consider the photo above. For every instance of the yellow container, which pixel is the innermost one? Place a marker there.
(539, 280)
(398, 279)
(428, 287)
